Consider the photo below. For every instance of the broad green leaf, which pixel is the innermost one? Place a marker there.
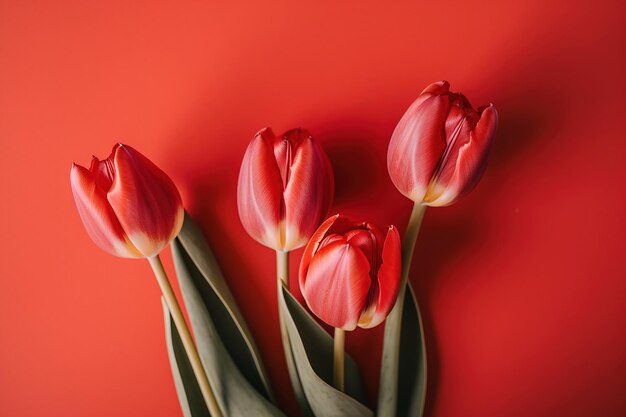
(219, 338)
(410, 371)
(312, 349)
(412, 375)
(296, 383)
(189, 394)
(192, 253)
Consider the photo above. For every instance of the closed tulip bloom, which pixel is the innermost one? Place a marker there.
(350, 273)
(440, 147)
(129, 207)
(285, 188)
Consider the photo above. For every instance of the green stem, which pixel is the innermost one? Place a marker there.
(338, 358)
(282, 281)
(388, 391)
(185, 336)
(410, 237)
(282, 267)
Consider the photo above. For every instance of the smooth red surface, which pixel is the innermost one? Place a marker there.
(522, 283)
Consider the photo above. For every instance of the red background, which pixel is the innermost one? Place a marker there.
(522, 283)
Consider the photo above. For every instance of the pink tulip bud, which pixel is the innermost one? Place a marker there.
(285, 188)
(350, 273)
(440, 147)
(129, 207)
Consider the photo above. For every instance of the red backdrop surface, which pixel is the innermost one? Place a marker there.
(522, 283)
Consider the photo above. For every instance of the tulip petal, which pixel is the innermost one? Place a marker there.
(103, 172)
(467, 161)
(285, 147)
(312, 246)
(370, 239)
(378, 235)
(259, 191)
(437, 88)
(337, 283)
(417, 144)
(336, 224)
(145, 201)
(98, 216)
(457, 128)
(457, 132)
(367, 243)
(308, 192)
(343, 224)
(385, 289)
(285, 188)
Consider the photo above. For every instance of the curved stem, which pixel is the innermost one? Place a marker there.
(388, 393)
(185, 336)
(282, 267)
(338, 358)
(410, 237)
(282, 281)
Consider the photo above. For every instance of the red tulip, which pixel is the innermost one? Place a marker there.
(350, 273)
(440, 147)
(285, 188)
(129, 207)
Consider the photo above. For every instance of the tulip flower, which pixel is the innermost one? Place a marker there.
(440, 147)
(285, 188)
(437, 154)
(129, 207)
(350, 273)
(349, 277)
(132, 209)
(284, 192)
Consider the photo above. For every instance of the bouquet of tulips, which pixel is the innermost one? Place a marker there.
(352, 274)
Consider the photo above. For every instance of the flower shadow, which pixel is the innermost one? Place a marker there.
(463, 227)
(217, 232)
(358, 158)
(364, 190)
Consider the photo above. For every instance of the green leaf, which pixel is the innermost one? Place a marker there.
(296, 383)
(225, 346)
(189, 394)
(312, 349)
(410, 369)
(192, 254)
(412, 374)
